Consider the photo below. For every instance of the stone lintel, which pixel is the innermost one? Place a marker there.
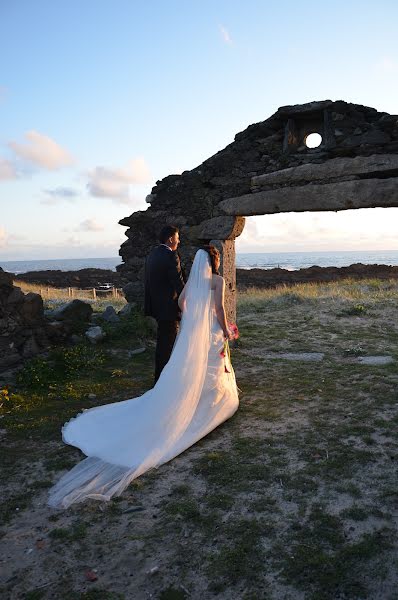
(333, 168)
(220, 228)
(345, 195)
(302, 109)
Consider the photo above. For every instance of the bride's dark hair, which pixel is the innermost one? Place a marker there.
(214, 254)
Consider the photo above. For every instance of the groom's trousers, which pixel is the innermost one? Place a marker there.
(167, 333)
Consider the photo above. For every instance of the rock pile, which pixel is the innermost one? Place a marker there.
(271, 278)
(83, 278)
(23, 329)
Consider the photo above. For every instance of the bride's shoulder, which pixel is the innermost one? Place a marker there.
(218, 280)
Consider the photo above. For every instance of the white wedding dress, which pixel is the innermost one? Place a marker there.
(192, 396)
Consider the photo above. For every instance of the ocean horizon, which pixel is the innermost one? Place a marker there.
(291, 261)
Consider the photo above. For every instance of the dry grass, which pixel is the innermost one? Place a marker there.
(53, 296)
(371, 290)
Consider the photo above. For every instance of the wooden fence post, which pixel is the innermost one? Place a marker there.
(94, 294)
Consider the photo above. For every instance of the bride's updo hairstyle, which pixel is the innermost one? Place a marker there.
(213, 254)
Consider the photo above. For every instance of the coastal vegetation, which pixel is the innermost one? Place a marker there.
(295, 497)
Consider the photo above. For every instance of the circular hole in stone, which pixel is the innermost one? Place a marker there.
(313, 140)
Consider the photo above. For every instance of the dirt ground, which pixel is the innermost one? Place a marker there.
(294, 498)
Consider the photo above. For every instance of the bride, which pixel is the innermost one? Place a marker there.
(195, 392)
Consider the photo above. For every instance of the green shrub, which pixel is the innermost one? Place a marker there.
(58, 365)
(36, 374)
(356, 310)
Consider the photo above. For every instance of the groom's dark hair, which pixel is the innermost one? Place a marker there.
(166, 232)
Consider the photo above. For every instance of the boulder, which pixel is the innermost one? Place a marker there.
(127, 309)
(95, 334)
(139, 350)
(110, 315)
(77, 310)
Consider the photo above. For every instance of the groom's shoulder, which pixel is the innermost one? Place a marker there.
(160, 253)
(157, 251)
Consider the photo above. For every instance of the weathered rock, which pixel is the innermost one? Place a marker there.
(83, 278)
(110, 315)
(333, 170)
(134, 291)
(220, 228)
(376, 360)
(77, 310)
(23, 330)
(30, 348)
(228, 270)
(95, 334)
(271, 278)
(32, 308)
(137, 351)
(343, 195)
(127, 309)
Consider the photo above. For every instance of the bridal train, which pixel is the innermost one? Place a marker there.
(193, 395)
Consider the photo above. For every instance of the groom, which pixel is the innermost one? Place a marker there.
(163, 284)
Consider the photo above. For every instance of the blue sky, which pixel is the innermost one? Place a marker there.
(100, 99)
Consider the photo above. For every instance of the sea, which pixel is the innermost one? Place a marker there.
(290, 261)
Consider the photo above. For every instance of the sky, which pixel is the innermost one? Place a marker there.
(100, 99)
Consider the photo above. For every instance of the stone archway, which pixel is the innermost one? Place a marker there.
(269, 169)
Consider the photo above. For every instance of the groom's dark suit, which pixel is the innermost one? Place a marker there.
(163, 284)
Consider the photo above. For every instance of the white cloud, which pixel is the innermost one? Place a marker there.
(114, 183)
(90, 225)
(59, 194)
(7, 170)
(4, 237)
(41, 150)
(72, 240)
(225, 35)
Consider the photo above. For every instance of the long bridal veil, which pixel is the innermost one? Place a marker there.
(124, 439)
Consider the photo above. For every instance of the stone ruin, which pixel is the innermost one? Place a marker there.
(23, 330)
(268, 169)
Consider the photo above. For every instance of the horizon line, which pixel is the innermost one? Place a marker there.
(237, 254)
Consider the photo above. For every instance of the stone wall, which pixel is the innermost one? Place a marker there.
(209, 202)
(22, 323)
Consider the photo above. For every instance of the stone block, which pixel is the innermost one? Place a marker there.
(220, 228)
(363, 193)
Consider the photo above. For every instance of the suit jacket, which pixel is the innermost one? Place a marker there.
(163, 284)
